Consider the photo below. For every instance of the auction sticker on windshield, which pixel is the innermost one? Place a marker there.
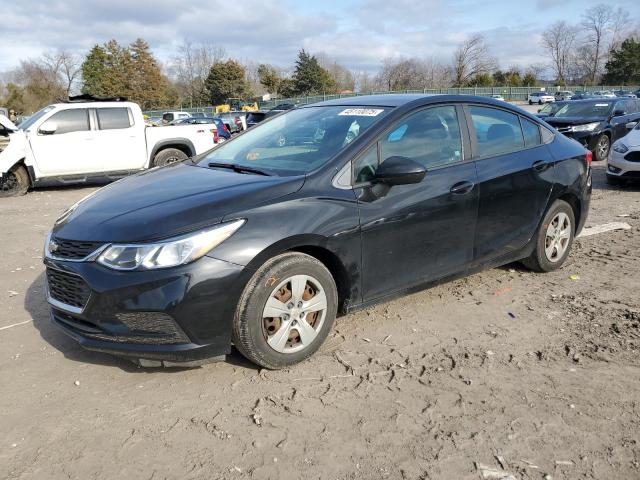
(362, 112)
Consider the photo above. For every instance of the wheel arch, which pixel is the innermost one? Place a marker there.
(573, 200)
(316, 247)
(182, 144)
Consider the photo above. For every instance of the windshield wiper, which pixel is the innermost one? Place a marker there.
(239, 168)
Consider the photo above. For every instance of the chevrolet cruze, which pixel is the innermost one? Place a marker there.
(321, 210)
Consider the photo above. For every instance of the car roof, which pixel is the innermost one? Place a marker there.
(400, 99)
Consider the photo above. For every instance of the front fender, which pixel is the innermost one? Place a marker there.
(15, 151)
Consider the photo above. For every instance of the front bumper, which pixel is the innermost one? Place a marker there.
(586, 139)
(618, 166)
(181, 314)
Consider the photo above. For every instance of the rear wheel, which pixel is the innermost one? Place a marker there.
(168, 156)
(286, 311)
(15, 182)
(539, 102)
(530, 102)
(554, 239)
(602, 145)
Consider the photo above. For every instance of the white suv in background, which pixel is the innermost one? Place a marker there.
(540, 98)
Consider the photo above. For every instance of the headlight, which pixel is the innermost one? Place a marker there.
(168, 253)
(620, 148)
(585, 128)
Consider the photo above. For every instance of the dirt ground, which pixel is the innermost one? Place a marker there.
(539, 372)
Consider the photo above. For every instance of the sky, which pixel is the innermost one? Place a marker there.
(356, 33)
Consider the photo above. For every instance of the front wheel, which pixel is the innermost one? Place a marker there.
(554, 239)
(15, 182)
(539, 102)
(530, 102)
(602, 145)
(286, 311)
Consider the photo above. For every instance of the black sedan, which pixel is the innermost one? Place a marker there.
(322, 210)
(596, 123)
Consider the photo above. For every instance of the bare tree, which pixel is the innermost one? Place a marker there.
(65, 66)
(559, 40)
(619, 29)
(596, 21)
(191, 67)
(472, 58)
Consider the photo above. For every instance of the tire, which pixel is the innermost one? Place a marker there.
(530, 102)
(539, 102)
(540, 260)
(276, 342)
(601, 147)
(168, 156)
(15, 182)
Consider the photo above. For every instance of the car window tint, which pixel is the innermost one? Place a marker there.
(364, 168)
(497, 131)
(67, 121)
(430, 137)
(113, 118)
(531, 132)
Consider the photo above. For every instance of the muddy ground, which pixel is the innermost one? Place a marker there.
(539, 372)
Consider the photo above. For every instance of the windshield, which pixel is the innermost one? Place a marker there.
(589, 109)
(35, 117)
(297, 141)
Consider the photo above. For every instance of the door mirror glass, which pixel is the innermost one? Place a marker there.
(48, 128)
(399, 171)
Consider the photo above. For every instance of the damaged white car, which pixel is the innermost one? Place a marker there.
(90, 142)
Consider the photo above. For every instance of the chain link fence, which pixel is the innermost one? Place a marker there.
(509, 94)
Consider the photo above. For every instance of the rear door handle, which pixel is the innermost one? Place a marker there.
(462, 188)
(540, 166)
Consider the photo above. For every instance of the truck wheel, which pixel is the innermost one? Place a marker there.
(15, 182)
(168, 156)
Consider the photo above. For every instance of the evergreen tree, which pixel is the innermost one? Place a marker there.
(623, 66)
(148, 87)
(269, 78)
(94, 71)
(310, 78)
(226, 80)
(529, 80)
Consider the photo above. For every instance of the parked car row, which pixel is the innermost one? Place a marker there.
(563, 95)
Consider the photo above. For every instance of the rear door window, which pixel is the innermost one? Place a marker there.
(497, 132)
(74, 120)
(114, 118)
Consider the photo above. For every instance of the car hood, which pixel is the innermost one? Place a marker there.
(574, 120)
(632, 139)
(165, 202)
(8, 124)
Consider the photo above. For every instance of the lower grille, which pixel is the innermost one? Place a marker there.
(67, 288)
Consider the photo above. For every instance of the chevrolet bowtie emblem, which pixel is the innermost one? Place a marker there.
(53, 246)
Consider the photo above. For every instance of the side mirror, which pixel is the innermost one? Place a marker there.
(631, 125)
(399, 171)
(539, 110)
(618, 113)
(48, 128)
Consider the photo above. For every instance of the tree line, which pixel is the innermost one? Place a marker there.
(601, 48)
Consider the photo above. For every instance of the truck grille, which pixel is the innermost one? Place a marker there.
(73, 250)
(67, 288)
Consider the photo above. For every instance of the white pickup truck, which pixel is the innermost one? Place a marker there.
(90, 141)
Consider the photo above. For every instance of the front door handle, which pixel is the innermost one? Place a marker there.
(540, 166)
(462, 188)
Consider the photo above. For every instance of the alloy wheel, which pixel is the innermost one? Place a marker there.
(603, 147)
(557, 237)
(9, 183)
(294, 314)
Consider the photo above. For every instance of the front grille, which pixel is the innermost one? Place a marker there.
(74, 250)
(67, 288)
(633, 156)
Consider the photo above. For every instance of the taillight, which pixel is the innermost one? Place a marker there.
(215, 135)
(226, 128)
(589, 158)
